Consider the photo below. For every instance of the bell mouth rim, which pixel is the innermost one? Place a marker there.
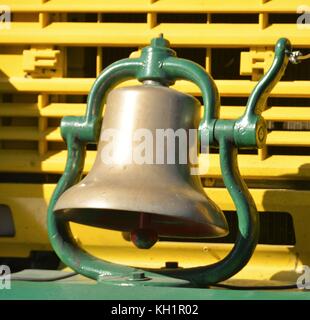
(182, 227)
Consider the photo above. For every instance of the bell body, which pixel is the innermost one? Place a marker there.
(139, 180)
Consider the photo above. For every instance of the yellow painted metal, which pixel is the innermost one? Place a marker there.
(42, 62)
(59, 110)
(283, 167)
(276, 138)
(288, 167)
(52, 110)
(158, 6)
(18, 133)
(277, 113)
(28, 203)
(255, 60)
(289, 138)
(138, 34)
(76, 39)
(29, 133)
(81, 86)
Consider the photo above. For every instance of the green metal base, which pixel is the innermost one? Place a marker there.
(81, 288)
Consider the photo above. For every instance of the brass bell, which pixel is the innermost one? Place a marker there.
(151, 196)
(149, 200)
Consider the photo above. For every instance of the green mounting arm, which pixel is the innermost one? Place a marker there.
(250, 129)
(159, 63)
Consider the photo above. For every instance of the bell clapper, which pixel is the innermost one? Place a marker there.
(144, 237)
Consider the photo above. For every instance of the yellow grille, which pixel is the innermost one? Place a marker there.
(53, 50)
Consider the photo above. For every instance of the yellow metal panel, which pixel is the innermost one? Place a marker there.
(53, 85)
(255, 60)
(52, 110)
(171, 6)
(41, 62)
(18, 110)
(237, 88)
(63, 109)
(11, 61)
(273, 113)
(276, 138)
(276, 166)
(227, 88)
(137, 34)
(59, 110)
(19, 133)
(289, 138)
(52, 134)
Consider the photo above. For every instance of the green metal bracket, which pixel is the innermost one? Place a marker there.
(250, 129)
(159, 63)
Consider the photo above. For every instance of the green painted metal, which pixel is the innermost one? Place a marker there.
(250, 129)
(159, 63)
(86, 289)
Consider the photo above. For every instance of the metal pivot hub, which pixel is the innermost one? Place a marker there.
(158, 63)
